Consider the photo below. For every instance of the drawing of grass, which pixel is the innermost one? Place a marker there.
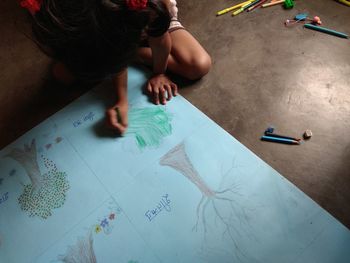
(45, 191)
(228, 216)
(149, 126)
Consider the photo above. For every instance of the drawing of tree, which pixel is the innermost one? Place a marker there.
(45, 192)
(228, 212)
(149, 126)
(81, 252)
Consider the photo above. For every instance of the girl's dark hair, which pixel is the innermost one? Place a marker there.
(96, 38)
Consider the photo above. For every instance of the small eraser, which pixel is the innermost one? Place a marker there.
(307, 134)
(269, 130)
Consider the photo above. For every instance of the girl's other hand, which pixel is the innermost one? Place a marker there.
(161, 88)
(117, 117)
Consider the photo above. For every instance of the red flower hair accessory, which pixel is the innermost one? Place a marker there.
(136, 4)
(32, 6)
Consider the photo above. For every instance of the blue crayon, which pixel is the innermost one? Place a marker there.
(326, 30)
(279, 140)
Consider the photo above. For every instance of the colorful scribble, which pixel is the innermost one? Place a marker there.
(149, 126)
(45, 192)
(222, 202)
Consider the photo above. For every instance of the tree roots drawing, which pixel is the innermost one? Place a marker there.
(221, 203)
(46, 191)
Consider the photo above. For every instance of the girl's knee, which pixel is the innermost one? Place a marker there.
(200, 66)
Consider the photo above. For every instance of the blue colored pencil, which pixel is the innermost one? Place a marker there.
(280, 136)
(326, 30)
(279, 140)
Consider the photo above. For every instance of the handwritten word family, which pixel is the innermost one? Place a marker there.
(89, 117)
(163, 204)
(4, 197)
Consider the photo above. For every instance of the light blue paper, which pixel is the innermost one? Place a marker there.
(183, 191)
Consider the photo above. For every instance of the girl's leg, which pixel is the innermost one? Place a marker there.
(187, 57)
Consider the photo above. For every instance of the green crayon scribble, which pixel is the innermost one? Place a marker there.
(149, 126)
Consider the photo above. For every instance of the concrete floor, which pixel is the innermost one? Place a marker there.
(263, 74)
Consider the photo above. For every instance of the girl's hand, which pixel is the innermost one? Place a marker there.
(161, 88)
(117, 117)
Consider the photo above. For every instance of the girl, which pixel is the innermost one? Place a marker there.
(92, 39)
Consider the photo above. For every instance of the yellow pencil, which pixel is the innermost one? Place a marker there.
(232, 8)
(273, 3)
(240, 10)
(345, 2)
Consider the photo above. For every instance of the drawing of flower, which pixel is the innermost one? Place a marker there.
(112, 216)
(104, 222)
(98, 229)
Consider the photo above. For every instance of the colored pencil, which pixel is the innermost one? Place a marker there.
(280, 136)
(257, 5)
(279, 140)
(252, 3)
(238, 11)
(345, 2)
(273, 3)
(326, 30)
(119, 117)
(226, 10)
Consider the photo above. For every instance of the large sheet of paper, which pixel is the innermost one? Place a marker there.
(175, 188)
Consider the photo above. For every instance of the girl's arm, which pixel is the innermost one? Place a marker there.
(117, 115)
(159, 86)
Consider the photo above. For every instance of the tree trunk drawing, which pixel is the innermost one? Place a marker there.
(45, 191)
(81, 252)
(228, 212)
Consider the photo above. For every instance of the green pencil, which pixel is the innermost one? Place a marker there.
(119, 117)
